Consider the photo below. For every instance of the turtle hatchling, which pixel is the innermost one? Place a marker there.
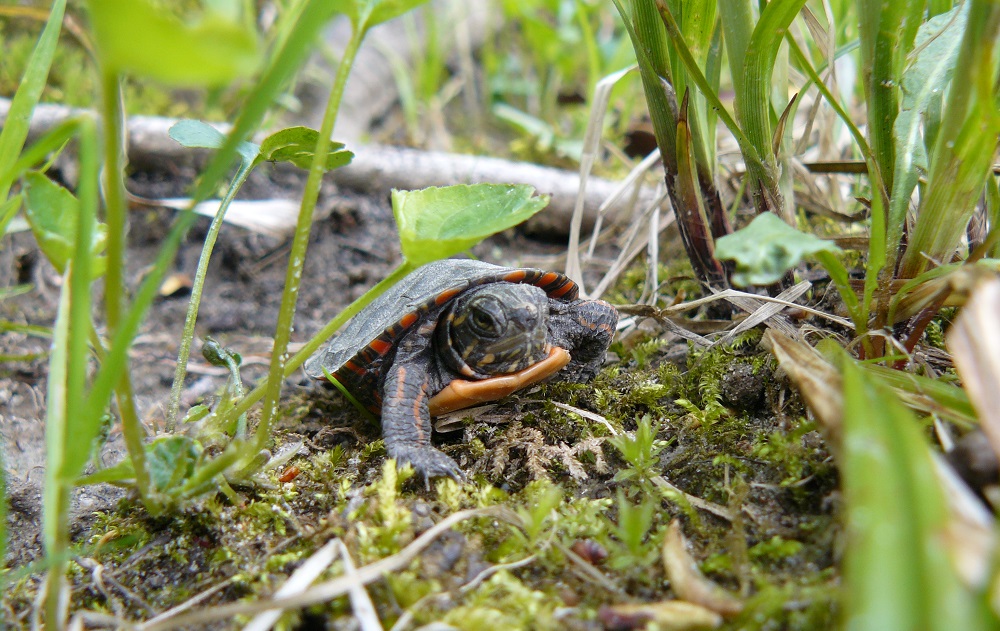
(459, 332)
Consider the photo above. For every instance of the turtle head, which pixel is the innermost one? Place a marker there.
(494, 329)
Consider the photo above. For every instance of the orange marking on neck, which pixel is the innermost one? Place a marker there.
(516, 276)
(416, 412)
(400, 381)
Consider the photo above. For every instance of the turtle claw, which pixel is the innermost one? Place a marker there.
(429, 462)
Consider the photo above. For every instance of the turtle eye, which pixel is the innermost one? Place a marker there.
(483, 322)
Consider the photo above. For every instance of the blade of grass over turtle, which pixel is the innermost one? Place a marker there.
(15, 127)
(962, 156)
(284, 63)
(363, 14)
(328, 330)
(897, 573)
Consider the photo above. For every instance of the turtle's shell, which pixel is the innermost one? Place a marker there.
(356, 357)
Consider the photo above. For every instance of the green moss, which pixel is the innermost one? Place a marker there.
(505, 602)
(567, 481)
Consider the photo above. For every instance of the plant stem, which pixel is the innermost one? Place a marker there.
(184, 353)
(300, 242)
(114, 200)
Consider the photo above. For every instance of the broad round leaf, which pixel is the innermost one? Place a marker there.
(435, 223)
(298, 146)
(766, 249)
(195, 133)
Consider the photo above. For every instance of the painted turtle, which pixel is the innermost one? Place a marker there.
(459, 332)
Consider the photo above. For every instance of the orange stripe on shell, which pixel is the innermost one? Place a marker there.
(380, 346)
(447, 295)
(408, 320)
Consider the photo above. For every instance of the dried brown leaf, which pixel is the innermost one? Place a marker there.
(687, 580)
(974, 342)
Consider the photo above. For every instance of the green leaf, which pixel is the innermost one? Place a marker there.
(897, 569)
(8, 209)
(121, 472)
(53, 212)
(766, 249)
(195, 133)
(297, 145)
(435, 223)
(171, 461)
(136, 36)
(369, 13)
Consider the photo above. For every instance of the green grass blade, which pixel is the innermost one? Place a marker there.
(887, 31)
(56, 494)
(965, 145)
(754, 107)
(927, 395)
(938, 42)
(3, 518)
(15, 128)
(993, 212)
(646, 32)
(284, 63)
(750, 153)
(737, 26)
(897, 571)
(83, 429)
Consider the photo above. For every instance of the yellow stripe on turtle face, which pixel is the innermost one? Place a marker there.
(469, 348)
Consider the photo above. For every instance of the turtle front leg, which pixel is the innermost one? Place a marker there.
(584, 328)
(406, 421)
